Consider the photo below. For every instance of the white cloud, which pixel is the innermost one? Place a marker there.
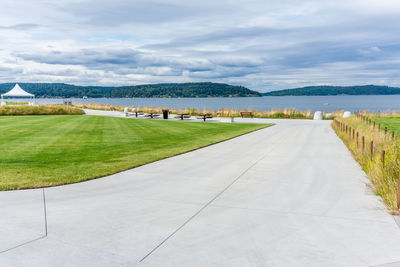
(260, 44)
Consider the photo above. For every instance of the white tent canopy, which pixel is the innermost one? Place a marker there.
(17, 91)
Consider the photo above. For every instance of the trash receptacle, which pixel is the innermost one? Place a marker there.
(165, 114)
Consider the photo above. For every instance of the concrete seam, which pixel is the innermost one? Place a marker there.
(206, 205)
(45, 227)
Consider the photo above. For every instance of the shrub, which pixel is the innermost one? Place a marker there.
(40, 110)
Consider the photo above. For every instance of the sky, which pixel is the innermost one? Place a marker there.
(261, 44)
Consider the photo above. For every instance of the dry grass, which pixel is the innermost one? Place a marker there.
(16, 103)
(40, 110)
(288, 113)
(384, 174)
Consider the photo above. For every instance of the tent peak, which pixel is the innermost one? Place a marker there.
(18, 91)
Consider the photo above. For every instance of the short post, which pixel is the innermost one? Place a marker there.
(363, 144)
(371, 148)
(398, 191)
(374, 125)
(379, 127)
(357, 139)
(383, 158)
(392, 135)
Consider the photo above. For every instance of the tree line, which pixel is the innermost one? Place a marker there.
(203, 89)
(337, 90)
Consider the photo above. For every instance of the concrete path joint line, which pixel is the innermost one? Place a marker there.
(23, 244)
(206, 205)
(45, 227)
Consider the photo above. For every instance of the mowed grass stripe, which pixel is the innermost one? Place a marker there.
(38, 151)
(44, 135)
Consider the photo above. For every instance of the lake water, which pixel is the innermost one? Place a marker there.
(327, 103)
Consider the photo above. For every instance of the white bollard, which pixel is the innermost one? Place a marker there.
(126, 110)
(346, 114)
(318, 115)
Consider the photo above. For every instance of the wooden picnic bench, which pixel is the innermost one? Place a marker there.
(136, 113)
(151, 115)
(204, 116)
(246, 114)
(182, 116)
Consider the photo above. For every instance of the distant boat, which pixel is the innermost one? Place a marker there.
(326, 104)
(84, 97)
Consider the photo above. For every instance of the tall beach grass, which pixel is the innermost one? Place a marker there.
(377, 151)
(40, 110)
(288, 113)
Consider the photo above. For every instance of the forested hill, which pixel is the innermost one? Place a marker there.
(205, 89)
(337, 90)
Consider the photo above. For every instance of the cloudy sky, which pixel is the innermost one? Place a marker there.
(262, 44)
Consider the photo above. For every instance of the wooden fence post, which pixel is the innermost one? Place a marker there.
(398, 191)
(385, 131)
(383, 158)
(371, 148)
(392, 135)
(363, 144)
(357, 139)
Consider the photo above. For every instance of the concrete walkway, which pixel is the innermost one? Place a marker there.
(288, 195)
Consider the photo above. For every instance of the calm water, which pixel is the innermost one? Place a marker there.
(327, 103)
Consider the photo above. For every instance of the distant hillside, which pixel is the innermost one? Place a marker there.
(205, 89)
(337, 90)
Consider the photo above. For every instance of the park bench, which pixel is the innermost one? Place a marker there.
(151, 115)
(246, 114)
(204, 116)
(136, 113)
(182, 116)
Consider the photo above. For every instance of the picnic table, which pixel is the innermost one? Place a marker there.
(152, 115)
(137, 113)
(246, 114)
(204, 116)
(182, 115)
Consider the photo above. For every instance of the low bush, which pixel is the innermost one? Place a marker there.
(40, 110)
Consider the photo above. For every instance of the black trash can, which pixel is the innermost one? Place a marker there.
(165, 114)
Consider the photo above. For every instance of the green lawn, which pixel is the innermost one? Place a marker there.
(392, 123)
(37, 151)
